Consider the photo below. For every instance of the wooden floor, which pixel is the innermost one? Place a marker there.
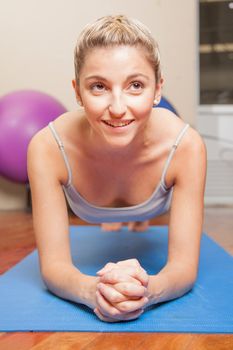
(17, 241)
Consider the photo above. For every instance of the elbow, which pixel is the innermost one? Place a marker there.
(185, 288)
(48, 275)
(51, 283)
(188, 278)
(193, 277)
(190, 285)
(190, 282)
(46, 278)
(190, 275)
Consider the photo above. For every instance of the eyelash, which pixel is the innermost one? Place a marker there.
(92, 88)
(137, 82)
(94, 85)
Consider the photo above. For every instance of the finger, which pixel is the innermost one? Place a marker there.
(105, 307)
(129, 262)
(108, 267)
(132, 315)
(116, 276)
(123, 317)
(138, 273)
(104, 318)
(132, 305)
(126, 274)
(110, 293)
(130, 290)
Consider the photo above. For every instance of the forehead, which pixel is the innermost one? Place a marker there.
(119, 58)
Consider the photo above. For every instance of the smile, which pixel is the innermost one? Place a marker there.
(115, 124)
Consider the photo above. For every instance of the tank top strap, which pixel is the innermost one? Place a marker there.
(171, 154)
(61, 147)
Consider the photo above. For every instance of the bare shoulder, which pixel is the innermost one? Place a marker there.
(191, 159)
(192, 146)
(40, 156)
(191, 143)
(43, 151)
(190, 156)
(39, 145)
(43, 154)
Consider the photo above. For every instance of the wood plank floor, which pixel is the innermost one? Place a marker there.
(17, 241)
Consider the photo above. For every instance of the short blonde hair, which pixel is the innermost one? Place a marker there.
(112, 31)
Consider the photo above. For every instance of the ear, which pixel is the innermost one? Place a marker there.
(77, 92)
(158, 91)
(161, 82)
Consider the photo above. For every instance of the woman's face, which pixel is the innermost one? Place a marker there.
(117, 88)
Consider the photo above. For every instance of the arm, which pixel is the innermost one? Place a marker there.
(185, 227)
(46, 172)
(185, 224)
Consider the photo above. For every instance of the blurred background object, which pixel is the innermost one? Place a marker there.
(22, 114)
(197, 65)
(37, 45)
(215, 112)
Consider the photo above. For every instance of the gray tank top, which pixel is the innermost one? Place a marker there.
(157, 204)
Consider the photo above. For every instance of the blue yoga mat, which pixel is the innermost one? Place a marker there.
(26, 305)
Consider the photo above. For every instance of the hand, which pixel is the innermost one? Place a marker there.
(132, 266)
(116, 304)
(121, 292)
(115, 315)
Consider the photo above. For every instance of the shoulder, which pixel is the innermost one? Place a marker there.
(190, 155)
(192, 147)
(43, 154)
(43, 140)
(39, 144)
(191, 159)
(171, 125)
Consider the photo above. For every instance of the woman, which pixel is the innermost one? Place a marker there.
(119, 160)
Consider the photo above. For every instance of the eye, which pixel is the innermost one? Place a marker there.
(98, 87)
(136, 86)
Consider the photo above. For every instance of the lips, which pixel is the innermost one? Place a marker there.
(117, 124)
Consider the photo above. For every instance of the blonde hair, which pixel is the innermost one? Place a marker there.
(112, 31)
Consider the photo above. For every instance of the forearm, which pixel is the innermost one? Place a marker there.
(67, 282)
(171, 282)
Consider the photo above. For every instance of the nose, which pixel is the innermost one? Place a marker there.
(117, 107)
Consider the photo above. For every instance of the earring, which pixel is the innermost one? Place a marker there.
(155, 102)
(80, 103)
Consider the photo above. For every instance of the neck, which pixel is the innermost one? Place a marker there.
(132, 150)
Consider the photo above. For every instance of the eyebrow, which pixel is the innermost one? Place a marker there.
(132, 76)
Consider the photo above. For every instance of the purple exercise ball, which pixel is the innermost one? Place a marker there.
(22, 114)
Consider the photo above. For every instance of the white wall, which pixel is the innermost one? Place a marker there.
(38, 37)
(215, 122)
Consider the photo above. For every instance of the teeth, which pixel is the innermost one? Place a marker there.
(119, 124)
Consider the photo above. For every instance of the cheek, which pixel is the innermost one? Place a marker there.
(141, 111)
(141, 105)
(95, 105)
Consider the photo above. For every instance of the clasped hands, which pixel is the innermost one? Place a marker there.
(121, 292)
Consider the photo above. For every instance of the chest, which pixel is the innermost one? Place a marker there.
(111, 184)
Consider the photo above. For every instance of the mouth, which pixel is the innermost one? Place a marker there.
(118, 124)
